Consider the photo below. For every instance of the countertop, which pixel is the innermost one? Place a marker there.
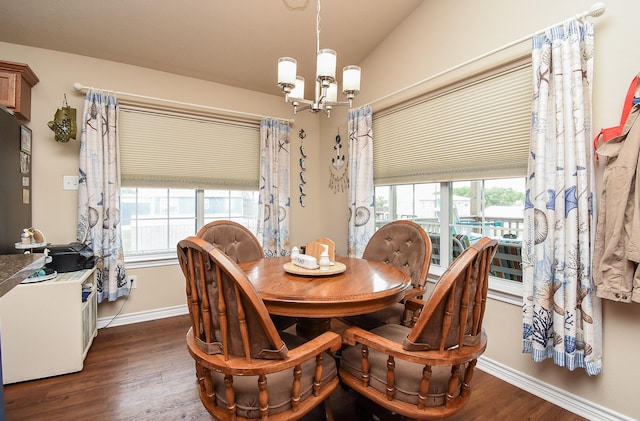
(14, 268)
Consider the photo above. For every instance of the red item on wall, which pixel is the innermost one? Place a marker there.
(611, 132)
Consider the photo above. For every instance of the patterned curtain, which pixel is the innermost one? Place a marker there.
(99, 193)
(275, 198)
(561, 314)
(361, 192)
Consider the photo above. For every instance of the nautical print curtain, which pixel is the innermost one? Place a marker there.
(274, 197)
(361, 192)
(99, 193)
(561, 314)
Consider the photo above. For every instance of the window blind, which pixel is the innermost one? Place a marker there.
(160, 149)
(478, 130)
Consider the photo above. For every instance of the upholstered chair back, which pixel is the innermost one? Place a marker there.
(405, 245)
(235, 240)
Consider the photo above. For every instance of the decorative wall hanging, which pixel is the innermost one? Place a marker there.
(339, 174)
(64, 123)
(303, 155)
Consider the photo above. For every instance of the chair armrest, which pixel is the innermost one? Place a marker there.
(414, 304)
(354, 335)
(328, 341)
(414, 293)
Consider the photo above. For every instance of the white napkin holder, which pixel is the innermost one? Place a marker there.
(304, 261)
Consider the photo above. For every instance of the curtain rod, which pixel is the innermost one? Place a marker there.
(595, 11)
(80, 87)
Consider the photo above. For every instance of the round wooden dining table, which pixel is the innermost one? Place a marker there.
(364, 286)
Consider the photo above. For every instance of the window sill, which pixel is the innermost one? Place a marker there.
(151, 260)
(499, 289)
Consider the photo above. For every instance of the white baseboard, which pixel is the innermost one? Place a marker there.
(142, 316)
(557, 396)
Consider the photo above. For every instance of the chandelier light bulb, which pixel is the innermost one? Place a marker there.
(287, 68)
(326, 66)
(351, 80)
(298, 90)
(332, 92)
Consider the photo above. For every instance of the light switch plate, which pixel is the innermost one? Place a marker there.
(70, 182)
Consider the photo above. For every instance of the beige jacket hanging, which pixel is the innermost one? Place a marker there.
(617, 248)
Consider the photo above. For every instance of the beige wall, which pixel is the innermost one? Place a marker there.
(438, 36)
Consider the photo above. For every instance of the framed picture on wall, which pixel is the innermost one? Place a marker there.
(25, 163)
(25, 139)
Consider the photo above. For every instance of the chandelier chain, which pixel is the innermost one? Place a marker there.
(318, 29)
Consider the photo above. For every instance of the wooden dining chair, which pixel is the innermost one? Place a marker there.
(237, 242)
(245, 368)
(425, 372)
(405, 245)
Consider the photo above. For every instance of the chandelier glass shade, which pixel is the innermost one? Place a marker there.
(326, 84)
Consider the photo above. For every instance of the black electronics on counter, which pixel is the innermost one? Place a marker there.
(70, 257)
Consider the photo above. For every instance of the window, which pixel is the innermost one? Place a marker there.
(238, 206)
(493, 208)
(155, 219)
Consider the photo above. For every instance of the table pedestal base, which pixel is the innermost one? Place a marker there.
(310, 328)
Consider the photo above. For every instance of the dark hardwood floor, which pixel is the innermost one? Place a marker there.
(144, 372)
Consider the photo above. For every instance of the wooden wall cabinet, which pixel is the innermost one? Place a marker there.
(16, 81)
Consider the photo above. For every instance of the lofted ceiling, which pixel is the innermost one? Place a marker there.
(234, 42)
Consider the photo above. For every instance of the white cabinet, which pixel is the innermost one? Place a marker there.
(47, 327)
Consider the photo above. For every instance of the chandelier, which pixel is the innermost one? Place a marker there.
(326, 85)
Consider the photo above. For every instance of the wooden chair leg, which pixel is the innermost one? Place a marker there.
(328, 412)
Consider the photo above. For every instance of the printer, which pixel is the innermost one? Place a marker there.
(70, 257)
